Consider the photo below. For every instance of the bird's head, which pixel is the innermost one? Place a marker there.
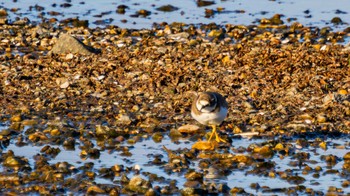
(206, 102)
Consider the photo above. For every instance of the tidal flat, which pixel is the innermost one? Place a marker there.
(106, 110)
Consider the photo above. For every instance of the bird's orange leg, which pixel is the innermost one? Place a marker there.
(217, 137)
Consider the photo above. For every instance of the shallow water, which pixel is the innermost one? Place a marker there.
(143, 153)
(311, 13)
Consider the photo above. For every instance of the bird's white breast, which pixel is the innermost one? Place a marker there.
(211, 118)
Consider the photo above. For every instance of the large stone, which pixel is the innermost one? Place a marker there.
(69, 44)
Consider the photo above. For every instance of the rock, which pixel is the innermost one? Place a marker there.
(3, 21)
(138, 185)
(16, 118)
(179, 36)
(3, 12)
(167, 8)
(104, 131)
(11, 161)
(323, 145)
(237, 190)
(69, 44)
(62, 82)
(188, 129)
(124, 119)
(336, 20)
(188, 191)
(69, 56)
(216, 33)
(265, 151)
(21, 22)
(204, 145)
(175, 134)
(95, 190)
(241, 158)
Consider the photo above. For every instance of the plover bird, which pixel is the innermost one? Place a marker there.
(210, 108)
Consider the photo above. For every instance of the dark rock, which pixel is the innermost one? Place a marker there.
(336, 20)
(167, 8)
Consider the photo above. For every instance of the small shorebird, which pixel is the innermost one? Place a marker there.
(210, 108)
